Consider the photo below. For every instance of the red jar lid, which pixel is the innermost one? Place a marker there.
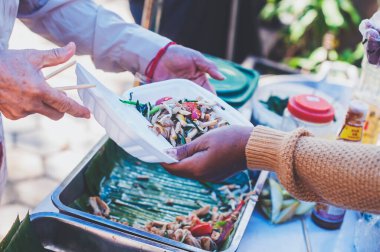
(311, 108)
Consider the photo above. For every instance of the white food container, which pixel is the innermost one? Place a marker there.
(128, 128)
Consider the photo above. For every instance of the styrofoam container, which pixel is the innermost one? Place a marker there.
(128, 128)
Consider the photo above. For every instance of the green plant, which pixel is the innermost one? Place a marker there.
(306, 22)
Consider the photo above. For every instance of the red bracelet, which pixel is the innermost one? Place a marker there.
(154, 62)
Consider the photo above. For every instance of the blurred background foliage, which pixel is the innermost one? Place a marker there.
(312, 31)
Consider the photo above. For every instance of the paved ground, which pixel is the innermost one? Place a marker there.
(42, 152)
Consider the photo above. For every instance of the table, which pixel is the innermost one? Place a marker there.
(261, 235)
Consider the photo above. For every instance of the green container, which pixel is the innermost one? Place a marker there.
(239, 85)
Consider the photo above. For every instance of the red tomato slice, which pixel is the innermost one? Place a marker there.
(163, 99)
(190, 106)
(201, 229)
(195, 114)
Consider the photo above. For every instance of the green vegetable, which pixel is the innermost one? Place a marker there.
(142, 107)
(128, 102)
(220, 224)
(276, 104)
(154, 110)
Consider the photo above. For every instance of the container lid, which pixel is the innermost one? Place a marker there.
(239, 85)
(359, 108)
(311, 108)
(236, 81)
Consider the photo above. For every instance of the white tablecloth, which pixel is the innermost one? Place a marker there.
(261, 235)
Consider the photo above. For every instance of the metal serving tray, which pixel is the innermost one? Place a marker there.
(74, 186)
(59, 232)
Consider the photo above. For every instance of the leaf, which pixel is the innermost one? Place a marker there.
(25, 239)
(287, 203)
(286, 214)
(319, 54)
(297, 29)
(347, 6)
(333, 55)
(304, 207)
(5, 242)
(268, 12)
(333, 16)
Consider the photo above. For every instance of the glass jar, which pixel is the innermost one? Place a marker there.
(311, 112)
(368, 91)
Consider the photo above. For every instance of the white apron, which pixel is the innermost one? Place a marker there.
(8, 12)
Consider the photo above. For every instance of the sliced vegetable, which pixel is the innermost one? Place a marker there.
(195, 114)
(163, 99)
(128, 102)
(201, 229)
(220, 224)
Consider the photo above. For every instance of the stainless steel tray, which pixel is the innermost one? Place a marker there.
(58, 232)
(74, 186)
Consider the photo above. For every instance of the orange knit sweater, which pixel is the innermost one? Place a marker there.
(336, 172)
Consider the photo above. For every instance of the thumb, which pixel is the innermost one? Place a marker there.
(183, 151)
(207, 66)
(56, 56)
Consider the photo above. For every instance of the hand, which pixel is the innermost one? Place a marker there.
(182, 62)
(212, 157)
(23, 89)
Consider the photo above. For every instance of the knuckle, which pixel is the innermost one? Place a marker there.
(63, 106)
(55, 52)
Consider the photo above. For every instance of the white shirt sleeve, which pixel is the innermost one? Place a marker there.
(113, 44)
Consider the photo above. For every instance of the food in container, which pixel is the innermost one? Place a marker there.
(180, 121)
(129, 129)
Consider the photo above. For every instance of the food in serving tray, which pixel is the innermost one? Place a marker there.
(146, 197)
(180, 121)
(206, 228)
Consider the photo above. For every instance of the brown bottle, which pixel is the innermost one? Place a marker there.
(324, 215)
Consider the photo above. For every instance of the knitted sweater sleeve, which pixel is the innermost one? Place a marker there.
(336, 172)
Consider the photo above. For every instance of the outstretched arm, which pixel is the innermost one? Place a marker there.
(312, 169)
(344, 174)
(113, 44)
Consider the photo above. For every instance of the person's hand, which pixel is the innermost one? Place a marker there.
(182, 62)
(23, 89)
(212, 157)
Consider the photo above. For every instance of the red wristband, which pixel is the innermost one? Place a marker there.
(149, 71)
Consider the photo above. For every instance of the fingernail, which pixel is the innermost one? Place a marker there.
(70, 46)
(222, 75)
(88, 115)
(172, 152)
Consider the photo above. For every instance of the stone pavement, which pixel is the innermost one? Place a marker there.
(40, 152)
